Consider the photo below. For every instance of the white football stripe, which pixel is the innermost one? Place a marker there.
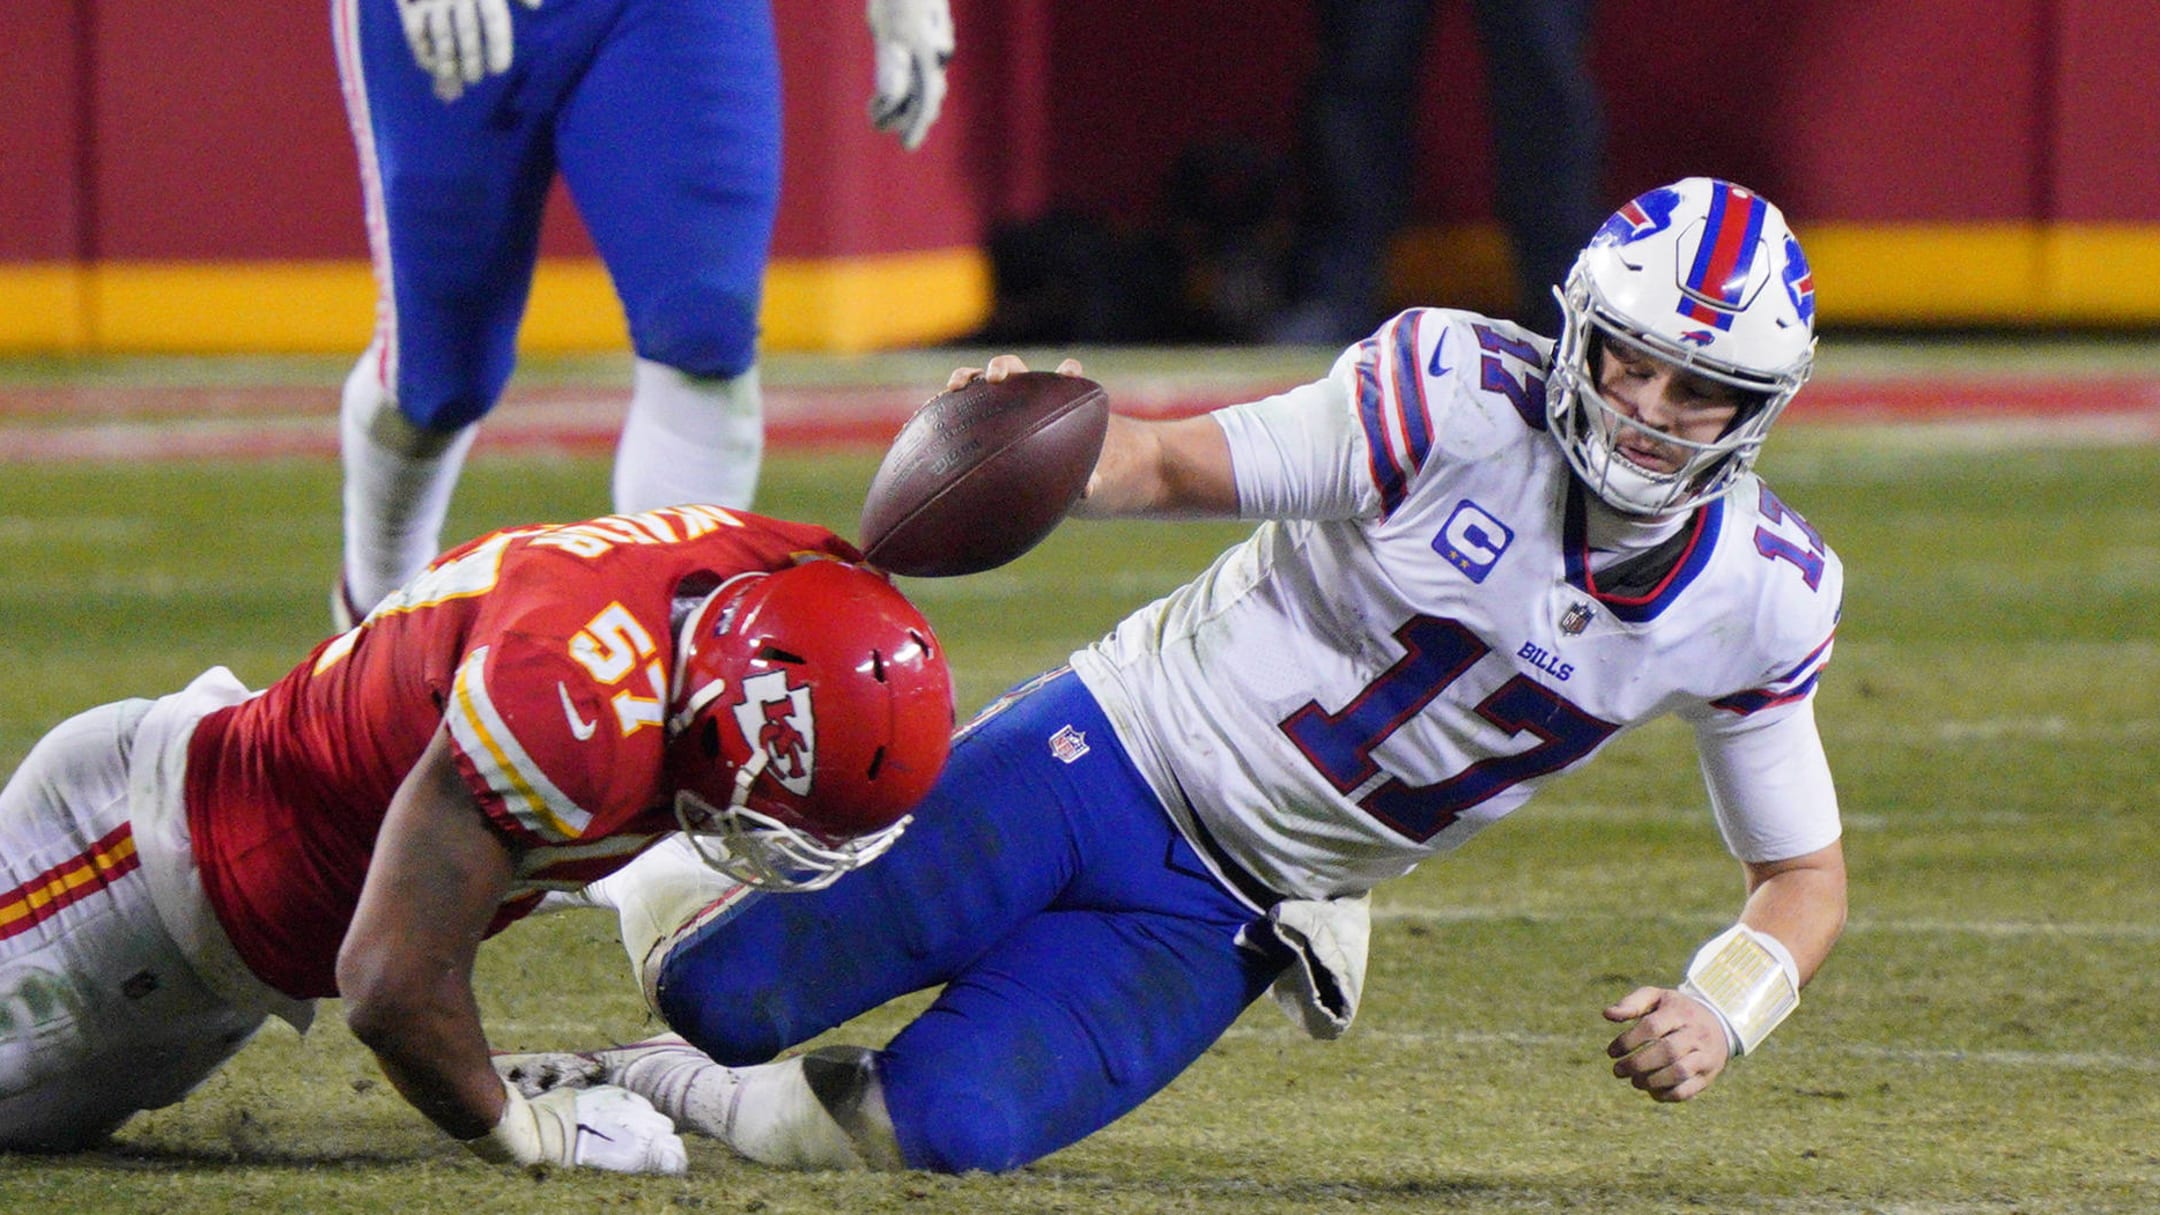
(494, 751)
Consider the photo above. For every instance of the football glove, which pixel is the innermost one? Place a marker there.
(593, 1128)
(459, 42)
(914, 43)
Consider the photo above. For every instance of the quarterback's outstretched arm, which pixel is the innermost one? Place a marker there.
(1169, 468)
(1801, 902)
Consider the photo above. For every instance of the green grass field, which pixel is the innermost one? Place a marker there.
(1986, 1039)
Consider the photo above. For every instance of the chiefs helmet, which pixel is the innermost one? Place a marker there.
(811, 708)
(1703, 274)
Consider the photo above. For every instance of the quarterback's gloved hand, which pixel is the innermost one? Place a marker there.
(914, 43)
(595, 1128)
(459, 41)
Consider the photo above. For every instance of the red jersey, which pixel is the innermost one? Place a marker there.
(547, 651)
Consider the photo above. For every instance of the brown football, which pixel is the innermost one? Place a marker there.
(981, 474)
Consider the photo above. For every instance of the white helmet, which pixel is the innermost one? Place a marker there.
(1703, 274)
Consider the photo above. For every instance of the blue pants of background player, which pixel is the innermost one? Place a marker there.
(1088, 956)
(663, 117)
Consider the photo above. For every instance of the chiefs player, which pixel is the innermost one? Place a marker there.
(526, 715)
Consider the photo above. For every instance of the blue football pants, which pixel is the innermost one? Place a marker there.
(1088, 956)
(663, 118)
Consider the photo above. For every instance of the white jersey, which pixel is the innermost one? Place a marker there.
(1416, 640)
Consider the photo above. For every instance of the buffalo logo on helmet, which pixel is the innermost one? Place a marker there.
(1799, 280)
(777, 719)
(1644, 216)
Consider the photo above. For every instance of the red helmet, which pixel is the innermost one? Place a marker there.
(811, 709)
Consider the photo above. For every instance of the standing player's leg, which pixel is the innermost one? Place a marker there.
(100, 1013)
(671, 146)
(454, 194)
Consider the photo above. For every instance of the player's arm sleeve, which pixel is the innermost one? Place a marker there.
(1350, 446)
(1769, 781)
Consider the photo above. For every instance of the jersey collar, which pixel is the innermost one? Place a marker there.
(1688, 553)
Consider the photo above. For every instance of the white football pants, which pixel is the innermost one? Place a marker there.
(100, 1014)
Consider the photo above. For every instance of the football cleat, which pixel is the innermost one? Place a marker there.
(537, 1072)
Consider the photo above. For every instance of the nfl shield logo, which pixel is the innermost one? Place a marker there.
(1576, 619)
(1068, 744)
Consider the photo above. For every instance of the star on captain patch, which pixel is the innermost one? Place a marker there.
(1068, 744)
(1577, 618)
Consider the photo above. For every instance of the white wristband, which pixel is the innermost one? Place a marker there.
(515, 1137)
(1749, 980)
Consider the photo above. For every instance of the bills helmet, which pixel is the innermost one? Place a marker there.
(811, 708)
(1705, 275)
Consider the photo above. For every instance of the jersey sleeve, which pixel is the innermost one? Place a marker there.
(1296, 455)
(1429, 385)
(1804, 584)
(549, 754)
(1770, 784)
(1762, 757)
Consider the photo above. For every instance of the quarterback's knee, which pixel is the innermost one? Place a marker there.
(966, 1132)
(736, 1027)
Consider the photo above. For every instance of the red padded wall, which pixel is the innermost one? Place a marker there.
(2106, 124)
(220, 135)
(128, 134)
(41, 129)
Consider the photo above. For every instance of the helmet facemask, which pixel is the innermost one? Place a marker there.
(759, 850)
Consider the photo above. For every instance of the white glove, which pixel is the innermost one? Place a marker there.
(459, 41)
(914, 43)
(595, 1128)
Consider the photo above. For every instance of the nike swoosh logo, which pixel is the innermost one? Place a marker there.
(1434, 367)
(578, 726)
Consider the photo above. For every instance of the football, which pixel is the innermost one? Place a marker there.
(980, 474)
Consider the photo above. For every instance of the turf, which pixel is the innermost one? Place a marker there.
(1986, 1039)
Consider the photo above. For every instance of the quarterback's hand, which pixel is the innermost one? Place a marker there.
(914, 43)
(1675, 1047)
(459, 42)
(1000, 367)
(594, 1128)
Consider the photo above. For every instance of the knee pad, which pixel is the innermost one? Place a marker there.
(970, 1132)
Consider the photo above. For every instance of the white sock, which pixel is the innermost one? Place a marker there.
(398, 480)
(687, 439)
(767, 1113)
